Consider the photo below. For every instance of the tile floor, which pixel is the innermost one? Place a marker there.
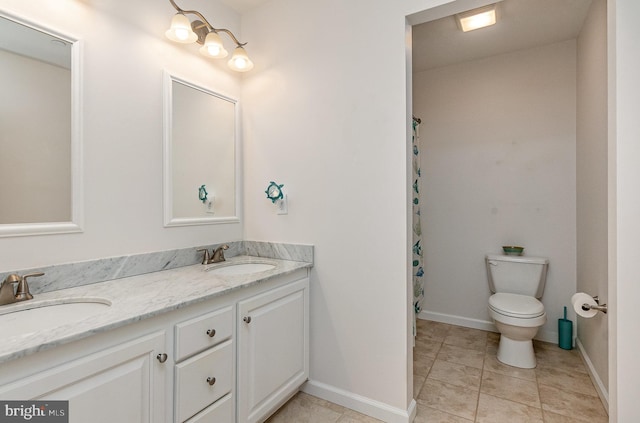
(457, 379)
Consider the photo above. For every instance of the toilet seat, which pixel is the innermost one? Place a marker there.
(516, 305)
(517, 310)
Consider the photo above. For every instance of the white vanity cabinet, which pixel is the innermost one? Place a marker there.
(122, 383)
(273, 344)
(231, 358)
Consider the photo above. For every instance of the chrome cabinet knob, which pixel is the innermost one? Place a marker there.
(162, 357)
(211, 333)
(247, 319)
(211, 380)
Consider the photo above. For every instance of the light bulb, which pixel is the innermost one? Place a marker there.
(180, 30)
(240, 62)
(213, 47)
(181, 33)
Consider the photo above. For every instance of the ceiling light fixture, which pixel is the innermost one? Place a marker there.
(477, 18)
(201, 31)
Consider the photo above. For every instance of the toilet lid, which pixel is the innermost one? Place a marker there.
(516, 305)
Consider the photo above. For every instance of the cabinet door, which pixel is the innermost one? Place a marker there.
(124, 383)
(273, 353)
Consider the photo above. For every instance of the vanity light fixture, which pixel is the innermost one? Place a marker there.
(184, 31)
(477, 18)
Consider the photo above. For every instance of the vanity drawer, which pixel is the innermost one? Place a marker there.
(202, 332)
(193, 390)
(221, 411)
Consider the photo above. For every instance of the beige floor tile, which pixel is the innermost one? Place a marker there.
(541, 345)
(550, 417)
(510, 388)
(304, 397)
(431, 415)
(301, 409)
(467, 338)
(492, 347)
(451, 399)
(572, 404)
(468, 332)
(351, 416)
(418, 381)
(427, 346)
(571, 381)
(492, 364)
(560, 359)
(422, 363)
(497, 410)
(493, 336)
(472, 344)
(432, 330)
(454, 354)
(456, 374)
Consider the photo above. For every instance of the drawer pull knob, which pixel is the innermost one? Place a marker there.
(211, 333)
(162, 357)
(211, 380)
(246, 319)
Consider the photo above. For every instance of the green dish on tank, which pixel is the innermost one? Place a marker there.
(512, 250)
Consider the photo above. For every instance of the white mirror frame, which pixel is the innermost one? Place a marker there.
(77, 200)
(169, 219)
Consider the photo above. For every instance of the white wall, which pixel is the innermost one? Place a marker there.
(125, 52)
(498, 159)
(624, 209)
(326, 115)
(591, 157)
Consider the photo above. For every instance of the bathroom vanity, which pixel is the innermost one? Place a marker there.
(220, 343)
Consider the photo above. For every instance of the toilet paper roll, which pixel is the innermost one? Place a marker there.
(581, 298)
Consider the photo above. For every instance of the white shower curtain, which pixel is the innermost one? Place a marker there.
(417, 259)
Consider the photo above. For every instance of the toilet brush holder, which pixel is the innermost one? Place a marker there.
(565, 332)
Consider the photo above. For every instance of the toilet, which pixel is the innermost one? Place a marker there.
(517, 283)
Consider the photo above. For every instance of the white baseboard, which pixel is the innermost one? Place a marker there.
(364, 405)
(458, 320)
(543, 335)
(600, 388)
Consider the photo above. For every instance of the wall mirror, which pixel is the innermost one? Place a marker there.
(40, 175)
(200, 155)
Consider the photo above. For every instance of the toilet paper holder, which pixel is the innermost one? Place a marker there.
(599, 307)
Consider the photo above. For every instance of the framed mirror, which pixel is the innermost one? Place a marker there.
(200, 155)
(40, 130)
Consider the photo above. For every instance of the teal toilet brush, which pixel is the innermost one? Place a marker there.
(565, 332)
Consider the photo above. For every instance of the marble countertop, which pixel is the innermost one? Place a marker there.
(133, 299)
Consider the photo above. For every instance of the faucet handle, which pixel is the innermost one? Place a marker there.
(205, 258)
(22, 291)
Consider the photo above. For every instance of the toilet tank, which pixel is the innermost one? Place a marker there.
(517, 274)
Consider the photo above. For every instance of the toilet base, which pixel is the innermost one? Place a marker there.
(516, 353)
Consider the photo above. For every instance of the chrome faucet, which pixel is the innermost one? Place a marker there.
(216, 256)
(7, 294)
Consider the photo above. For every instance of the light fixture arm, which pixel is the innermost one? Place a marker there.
(206, 23)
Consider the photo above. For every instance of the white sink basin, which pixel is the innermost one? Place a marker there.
(239, 268)
(31, 316)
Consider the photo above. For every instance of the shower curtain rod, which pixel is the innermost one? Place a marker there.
(417, 119)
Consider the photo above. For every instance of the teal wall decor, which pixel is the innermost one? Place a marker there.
(274, 192)
(202, 194)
